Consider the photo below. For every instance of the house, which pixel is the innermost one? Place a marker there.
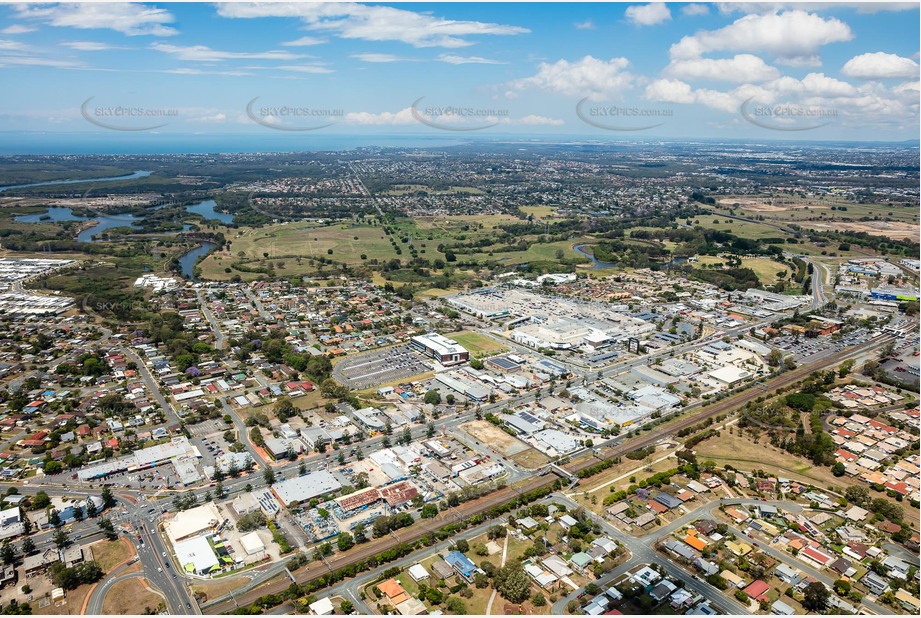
(393, 591)
(896, 567)
(787, 574)
(463, 565)
(680, 548)
(418, 572)
(567, 521)
(646, 576)
(757, 590)
(442, 569)
(667, 500)
(907, 601)
(581, 561)
(706, 567)
(557, 565)
(662, 590)
(739, 549)
(528, 523)
(779, 608)
(874, 583)
(733, 579)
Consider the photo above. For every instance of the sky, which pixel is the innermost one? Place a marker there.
(810, 71)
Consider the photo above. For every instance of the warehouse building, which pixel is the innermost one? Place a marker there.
(304, 488)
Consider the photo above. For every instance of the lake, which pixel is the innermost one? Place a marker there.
(48, 183)
(206, 209)
(595, 263)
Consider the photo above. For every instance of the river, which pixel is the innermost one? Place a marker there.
(596, 264)
(48, 183)
(206, 209)
(190, 259)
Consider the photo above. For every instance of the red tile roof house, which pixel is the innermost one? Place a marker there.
(757, 590)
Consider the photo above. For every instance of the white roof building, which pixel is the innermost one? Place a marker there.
(252, 544)
(301, 488)
(196, 556)
(418, 572)
(192, 522)
(322, 607)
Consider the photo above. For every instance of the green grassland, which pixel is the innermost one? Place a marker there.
(477, 344)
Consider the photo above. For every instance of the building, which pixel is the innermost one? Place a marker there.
(461, 564)
(446, 351)
(418, 572)
(193, 522)
(252, 544)
(197, 556)
(304, 488)
(322, 607)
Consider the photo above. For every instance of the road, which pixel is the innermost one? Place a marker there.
(215, 326)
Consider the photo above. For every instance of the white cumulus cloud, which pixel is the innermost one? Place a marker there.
(648, 14)
(792, 37)
(589, 76)
(880, 65)
(739, 69)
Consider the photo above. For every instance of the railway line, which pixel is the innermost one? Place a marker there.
(411, 534)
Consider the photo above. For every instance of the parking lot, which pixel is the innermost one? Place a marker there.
(380, 367)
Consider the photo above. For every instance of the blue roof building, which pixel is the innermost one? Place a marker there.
(462, 564)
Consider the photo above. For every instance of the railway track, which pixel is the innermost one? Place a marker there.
(411, 534)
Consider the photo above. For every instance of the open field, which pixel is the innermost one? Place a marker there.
(794, 209)
(487, 433)
(108, 554)
(744, 454)
(131, 596)
(891, 229)
(476, 343)
(765, 268)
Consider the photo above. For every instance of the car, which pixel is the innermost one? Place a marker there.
(159, 570)
(163, 554)
(188, 606)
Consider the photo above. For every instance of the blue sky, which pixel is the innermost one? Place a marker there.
(702, 70)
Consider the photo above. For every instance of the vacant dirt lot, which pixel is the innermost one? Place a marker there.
(108, 554)
(530, 458)
(497, 439)
(219, 588)
(131, 596)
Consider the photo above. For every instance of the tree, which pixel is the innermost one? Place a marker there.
(28, 546)
(108, 500)
(8, 554)
(430, 431)
(269, 476)
(54, 518)
(91, 509)
(842, 587)
(345, 541)
(512, 582)
(429, 511)
(346, 607)
(538, 600)
(496, 532)
(219, 490)
(815, 597)
(775, 358)
(41, 501)
(359, 533)
(106, 526)
(858, 495)
(432, 396)
(462, 546)
(60, 538)
(838, 469)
